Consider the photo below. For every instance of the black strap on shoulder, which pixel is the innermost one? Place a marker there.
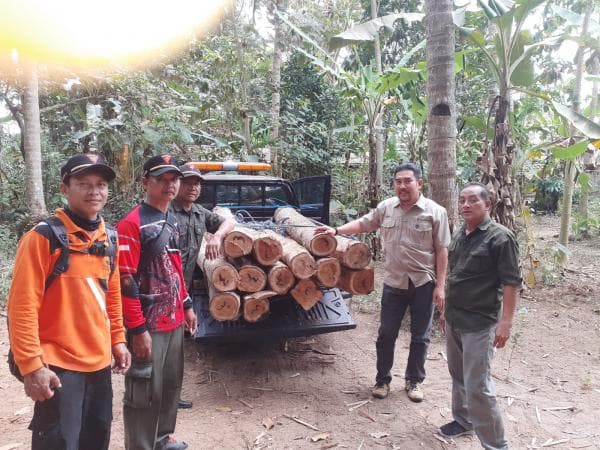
(111, 251)
(62, 263)
(156, 246)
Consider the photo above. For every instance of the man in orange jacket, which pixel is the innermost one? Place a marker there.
(65, 329)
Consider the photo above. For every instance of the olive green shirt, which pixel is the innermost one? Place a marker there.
(480, 264)
(192, 226)
(410, 238)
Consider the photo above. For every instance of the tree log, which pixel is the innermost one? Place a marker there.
(306, 293)
(360, 282)
(238, 241)
(280, 278)
(297, 258)
(223, 305)
(267, 248)
(257, 305)
(328, 271)
(252, 277)
(352, 253)
(218, 273)
(321, 244)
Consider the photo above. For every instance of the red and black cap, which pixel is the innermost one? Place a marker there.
(86, 162)
(157, 165)
(190, 171)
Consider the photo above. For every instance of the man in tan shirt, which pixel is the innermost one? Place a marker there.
(416, 235)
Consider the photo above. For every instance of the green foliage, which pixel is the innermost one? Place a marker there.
(8, 247)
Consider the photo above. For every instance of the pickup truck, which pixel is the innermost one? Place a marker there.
(255, 198)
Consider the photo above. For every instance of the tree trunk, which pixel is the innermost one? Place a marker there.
(302, 230)
(441, 118)
(328, 271)
(280, 278)
(306, 293)
(34, 186)
(379, 135)
(359, 282)
(570, 166)
(352, 253)
(276, 87)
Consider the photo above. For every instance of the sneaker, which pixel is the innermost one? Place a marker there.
(453, 430)
(172, 444)
(414, 390)
(381, 390)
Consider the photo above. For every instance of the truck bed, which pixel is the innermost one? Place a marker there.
(286, 319)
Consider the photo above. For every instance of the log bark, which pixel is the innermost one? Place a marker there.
(223, 305)
(328, 271)
(296, 257)
(321, 244)
(359, 282)
(257, 305)
(306, 293)
(352, 253)
(252, 277)
(218, 273)
(280, 278)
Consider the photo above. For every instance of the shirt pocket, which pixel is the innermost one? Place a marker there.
(421, 233)
(390, 228)
(479, 261)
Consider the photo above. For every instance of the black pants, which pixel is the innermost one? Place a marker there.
(79, 414)
(394, 303)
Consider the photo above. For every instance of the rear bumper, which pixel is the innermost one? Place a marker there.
(286, 319)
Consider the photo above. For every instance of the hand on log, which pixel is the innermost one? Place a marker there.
(325, 229)
(213, 248)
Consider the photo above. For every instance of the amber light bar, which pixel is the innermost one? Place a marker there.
(230, 165)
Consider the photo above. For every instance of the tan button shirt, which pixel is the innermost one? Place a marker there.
(410, 239)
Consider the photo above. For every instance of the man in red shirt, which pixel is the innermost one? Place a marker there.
(156, 308)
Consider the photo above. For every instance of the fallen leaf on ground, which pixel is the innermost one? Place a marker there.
(268, 423)
(320, 437)
(223, 409)
(379, 434)
(11, 446)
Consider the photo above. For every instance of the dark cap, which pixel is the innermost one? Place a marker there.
(157, 165)
(190, 171)
(86, 162)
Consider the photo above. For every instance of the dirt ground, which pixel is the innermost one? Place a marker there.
(246, 397)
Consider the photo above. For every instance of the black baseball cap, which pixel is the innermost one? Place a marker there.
(190, 171)
(157, 165)
(86, 162)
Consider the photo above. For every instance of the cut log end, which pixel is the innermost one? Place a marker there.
(224, 278)
(303, 265)
(355, 254)
(225, 306)
(267, 251)
(359, 282)
(306, 293)
(328, 271)
(237, 244)
(323, 244)
(256, 306)
(252, 279)
(281, 279)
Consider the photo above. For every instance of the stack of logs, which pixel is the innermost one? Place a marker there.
(260, 264)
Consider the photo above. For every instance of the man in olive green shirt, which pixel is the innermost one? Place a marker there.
(416, 235)
(483, 278)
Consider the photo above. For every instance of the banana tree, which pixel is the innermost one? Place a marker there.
(509, 54)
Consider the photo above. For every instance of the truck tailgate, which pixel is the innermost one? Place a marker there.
(286, 319)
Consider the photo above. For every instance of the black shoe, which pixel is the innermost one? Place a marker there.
(184, 404)
(453, 430)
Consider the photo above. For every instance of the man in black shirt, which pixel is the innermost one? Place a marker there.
(483, 279)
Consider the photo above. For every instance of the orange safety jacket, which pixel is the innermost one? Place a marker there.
(76, 321)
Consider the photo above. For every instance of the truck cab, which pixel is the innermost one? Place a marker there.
(254, 198)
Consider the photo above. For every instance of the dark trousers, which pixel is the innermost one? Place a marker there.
(394, 303)
(152, 391)
(79, 414)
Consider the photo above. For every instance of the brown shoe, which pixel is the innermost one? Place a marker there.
(414, 390)
(380, 390)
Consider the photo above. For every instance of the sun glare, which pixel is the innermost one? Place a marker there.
(82, 32)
